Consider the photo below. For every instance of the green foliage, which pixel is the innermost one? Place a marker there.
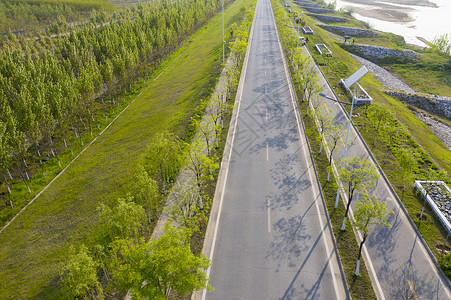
(125, 219)
(30, 15)
(445, 264)
(186, 210)
(441, 44)
(150, 270)
(145, 192)
(79, 276)
(357, 175)
(55, 90)
(105, 171)
(370, 212)
(164, 156)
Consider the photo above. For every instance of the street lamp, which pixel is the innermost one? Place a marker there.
(351, 81)
(298, 18)
(223, 42)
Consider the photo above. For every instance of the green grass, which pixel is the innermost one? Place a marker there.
(34, 245)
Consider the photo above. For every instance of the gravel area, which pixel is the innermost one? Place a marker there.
(386, 78)
(440, 130)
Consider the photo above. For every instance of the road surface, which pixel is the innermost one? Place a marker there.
(273, 239)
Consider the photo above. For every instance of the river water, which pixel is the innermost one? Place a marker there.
(409, 18)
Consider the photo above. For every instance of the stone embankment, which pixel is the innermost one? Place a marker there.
(328, 19)
(440, 130)
(316, 10)
(351, 31)
(377, 52)
(438, 105)
(307, 4)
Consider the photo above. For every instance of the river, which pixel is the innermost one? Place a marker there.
(409, 18)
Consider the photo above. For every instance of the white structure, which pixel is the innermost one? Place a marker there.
(440, 203)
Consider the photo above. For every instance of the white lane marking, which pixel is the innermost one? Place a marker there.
(269, 215)
(266, 114)
(328, 252)
(267, 151)
(215, 233)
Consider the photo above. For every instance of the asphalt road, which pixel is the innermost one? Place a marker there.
(273, 239)
(388, 252)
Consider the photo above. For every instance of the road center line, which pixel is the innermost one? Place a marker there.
(269, 215)
(267, 151)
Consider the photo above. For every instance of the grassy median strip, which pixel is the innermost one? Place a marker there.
(34, 245)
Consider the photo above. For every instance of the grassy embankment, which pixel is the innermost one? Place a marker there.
(34, 245)
(360, 286)
(411, 133)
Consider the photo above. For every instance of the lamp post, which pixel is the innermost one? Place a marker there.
(297, 38)
(223, 42)
(351, 81)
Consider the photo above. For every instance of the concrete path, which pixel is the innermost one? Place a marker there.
(388, 251)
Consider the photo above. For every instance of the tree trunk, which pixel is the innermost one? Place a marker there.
(6, 183)
(357, 269)
(343, 227)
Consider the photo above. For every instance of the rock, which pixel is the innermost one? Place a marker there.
(329, 19)
(353, 32)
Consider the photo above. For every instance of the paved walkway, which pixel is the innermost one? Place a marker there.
(270, 237)
(389, 250)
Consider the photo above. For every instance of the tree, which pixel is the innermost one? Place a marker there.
(186, 210)
(5, 153)
(164, 157)
(150, 270)
(407, 160)
(145, 192)
(306, 77)
(378, 115)
(369, 212)
(356, 175)
(125, 219)
(390, 130)
(324, 122)
(205, 127)
(79, 276)
(201, 165)
(334, 135)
